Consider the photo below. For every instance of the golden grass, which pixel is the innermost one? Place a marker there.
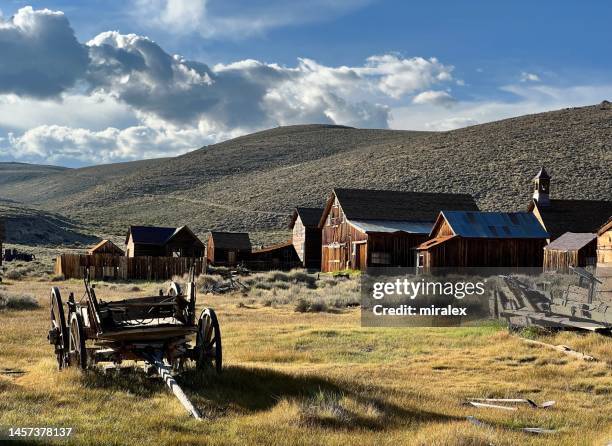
(306, 378)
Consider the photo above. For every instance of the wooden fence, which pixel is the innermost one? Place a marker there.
(113, 267)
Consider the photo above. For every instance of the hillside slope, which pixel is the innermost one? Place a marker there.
(19, 172)
(254, 181)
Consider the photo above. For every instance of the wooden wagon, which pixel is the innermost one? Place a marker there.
(157, 330)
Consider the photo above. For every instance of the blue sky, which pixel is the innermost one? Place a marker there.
(99, 81)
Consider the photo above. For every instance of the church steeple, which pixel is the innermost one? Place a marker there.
(541, 188)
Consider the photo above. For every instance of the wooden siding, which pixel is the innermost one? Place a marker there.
(2, 237)
(485, 252)
(307, 244)
(346, 247)
(604, 248)
(111, 267)
(281, 257)
(337, 239)
(299, 239)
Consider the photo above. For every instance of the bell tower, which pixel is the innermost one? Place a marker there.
(541, 188)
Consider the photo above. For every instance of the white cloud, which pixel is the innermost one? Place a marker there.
(40, 54)
(434, 98)
(67, 145)
(236, 19)
(529, 77)
(528, 99)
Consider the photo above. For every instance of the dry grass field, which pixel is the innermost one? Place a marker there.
(310, 378)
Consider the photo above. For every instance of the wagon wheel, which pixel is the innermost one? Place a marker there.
(58, 334)
(175, 289)
(77, 353)
(208, 341)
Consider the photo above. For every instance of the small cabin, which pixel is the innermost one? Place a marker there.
(228, 248)
(364, 228)
(106, 247)
(155, 241)
(559, 216)
(571, 249)
(604, 245)
(306, 237)
(484, 239)
(281, 256)
(2, 236)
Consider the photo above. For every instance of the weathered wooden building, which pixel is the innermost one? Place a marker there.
(281, 256)
(156, 241)
(306, 237)
(571, 249)
(484, 239)
(106, 247)
(374, 228)
(560, 216)
(604, 245)
(2, 236)
(228, 248)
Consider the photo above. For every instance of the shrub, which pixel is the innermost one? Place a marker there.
(17, 301)
(302, 306)
(14, 274)
(306, 306)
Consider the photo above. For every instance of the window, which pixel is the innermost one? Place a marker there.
(381, 258)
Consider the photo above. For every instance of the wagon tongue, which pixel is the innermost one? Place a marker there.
(164, 370)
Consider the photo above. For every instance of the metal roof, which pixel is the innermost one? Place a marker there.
(410, 227)
(495, 224)
(571, 241)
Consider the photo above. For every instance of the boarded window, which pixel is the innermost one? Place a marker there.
(381, 258)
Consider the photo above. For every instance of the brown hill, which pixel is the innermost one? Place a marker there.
(253, 182)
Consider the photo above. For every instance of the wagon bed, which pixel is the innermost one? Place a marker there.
(157, 330)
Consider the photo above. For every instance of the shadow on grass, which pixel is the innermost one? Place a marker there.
(129, 380)
(321, 402)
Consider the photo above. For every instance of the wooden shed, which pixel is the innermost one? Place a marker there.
(157, 241)
(604, 245)
(228, 248)
(2, 237)
(559, 216)
(281, 256)
(571, 249)
(364, 228)
(306, 237)
(106, 247)
(484, 239)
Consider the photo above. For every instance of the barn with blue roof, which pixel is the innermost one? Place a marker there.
(484, 239)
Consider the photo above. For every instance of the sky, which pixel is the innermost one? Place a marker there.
(94, 82)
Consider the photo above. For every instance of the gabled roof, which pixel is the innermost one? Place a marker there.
(369, 204)
(150, 235)
(606, 227)
(542, 175)
(562, 216)
(571, 241)
(108, 244)
(310, 217)
(231, 240)
(493, 224)
(156, 235)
